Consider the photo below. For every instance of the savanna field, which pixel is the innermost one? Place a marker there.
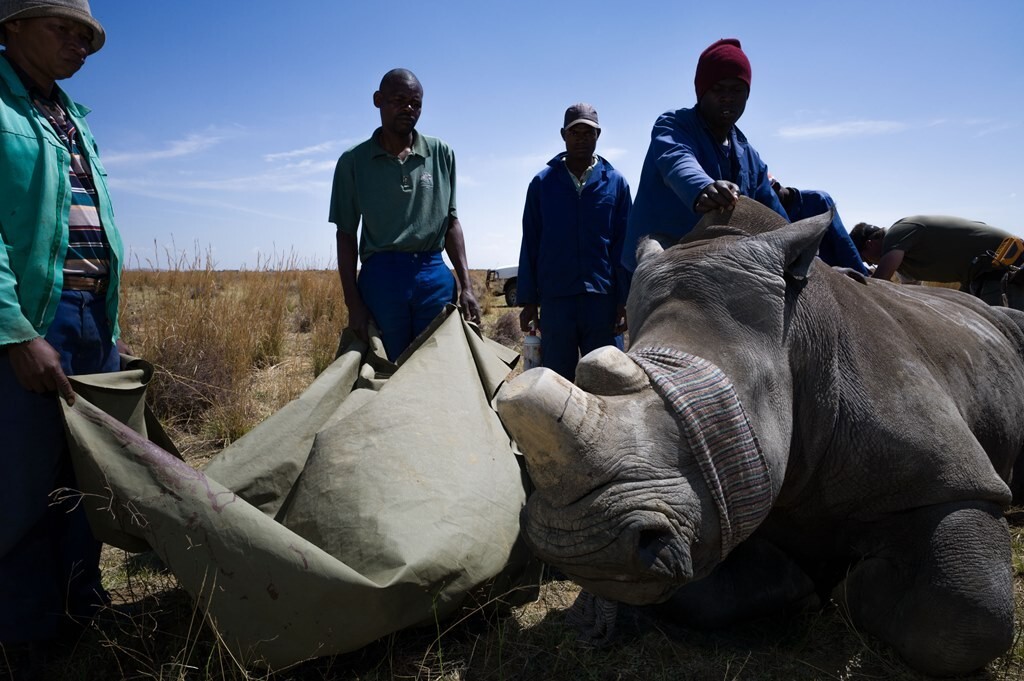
(231, 348)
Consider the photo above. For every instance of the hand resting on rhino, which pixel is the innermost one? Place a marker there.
(777, 430)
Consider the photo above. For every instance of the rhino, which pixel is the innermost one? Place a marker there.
(781, 433)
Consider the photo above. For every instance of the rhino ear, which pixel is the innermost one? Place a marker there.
(798, 243)
(648, 248)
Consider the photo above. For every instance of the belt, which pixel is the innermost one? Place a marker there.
(406, 256)
(77, 283)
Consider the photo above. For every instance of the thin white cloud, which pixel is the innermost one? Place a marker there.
(305, 176)
(289, 178)
(525, 166)
(308, 166)
(529, 162)
(842, 129)
(192, 144)
(981, 126)
(162, 193)
(613, 153)
(993, 127)
(295, 153)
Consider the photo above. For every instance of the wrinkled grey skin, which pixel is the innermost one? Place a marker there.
(890, 416)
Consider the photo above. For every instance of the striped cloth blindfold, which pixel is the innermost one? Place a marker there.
(717, 434)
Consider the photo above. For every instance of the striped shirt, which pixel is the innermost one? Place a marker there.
(88, 251)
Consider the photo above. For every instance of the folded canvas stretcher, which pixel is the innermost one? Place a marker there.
(372, 502)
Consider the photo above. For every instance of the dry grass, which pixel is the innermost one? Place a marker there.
(229, 348)
(233, 347)
(166, 638)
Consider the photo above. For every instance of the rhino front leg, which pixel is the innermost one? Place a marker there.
(756, 579)
(938, 587)
(594, 619)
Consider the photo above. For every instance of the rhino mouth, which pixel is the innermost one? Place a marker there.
(647, 557)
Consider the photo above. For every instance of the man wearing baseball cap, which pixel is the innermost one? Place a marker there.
(571, 282)
(699, 161)
(60, 260)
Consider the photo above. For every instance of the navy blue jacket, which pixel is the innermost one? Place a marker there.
(572, 243)
(682, 159)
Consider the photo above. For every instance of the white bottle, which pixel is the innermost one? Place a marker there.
(531, 351)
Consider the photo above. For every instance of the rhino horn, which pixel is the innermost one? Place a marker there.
(549, 417)
(609, 371)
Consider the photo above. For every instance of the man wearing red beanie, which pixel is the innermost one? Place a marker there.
(699, 161)
(721, 60)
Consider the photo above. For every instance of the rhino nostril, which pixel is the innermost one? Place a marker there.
(650, 544)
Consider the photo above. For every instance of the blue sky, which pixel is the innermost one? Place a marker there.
(220, 122)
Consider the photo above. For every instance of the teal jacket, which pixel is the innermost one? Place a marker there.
(35, 199)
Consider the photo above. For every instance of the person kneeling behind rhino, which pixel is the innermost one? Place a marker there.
(984, 260)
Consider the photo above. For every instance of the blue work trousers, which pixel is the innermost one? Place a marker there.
(49, 559)
(404, 292)
(837, 248)
(572, 326)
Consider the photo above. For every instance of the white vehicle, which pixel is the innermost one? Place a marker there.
(504, 280)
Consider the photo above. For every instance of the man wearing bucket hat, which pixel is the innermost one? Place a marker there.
(699, 161)
(569, 261)
(60, 261)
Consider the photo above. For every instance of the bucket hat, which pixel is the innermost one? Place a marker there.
(78, 10)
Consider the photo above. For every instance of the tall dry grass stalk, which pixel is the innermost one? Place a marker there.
(320, 313)
(215, 336)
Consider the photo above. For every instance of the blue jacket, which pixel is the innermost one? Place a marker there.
(681, 160)
(572, 242)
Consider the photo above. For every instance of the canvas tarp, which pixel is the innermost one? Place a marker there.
(370, 503)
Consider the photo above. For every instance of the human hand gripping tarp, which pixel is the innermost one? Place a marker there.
(376, 500)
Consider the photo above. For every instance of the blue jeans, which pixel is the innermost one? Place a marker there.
(49, 559)
(837, 248)
(572, 326)
(404, 292)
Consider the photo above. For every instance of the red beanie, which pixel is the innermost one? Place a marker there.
(722, 59)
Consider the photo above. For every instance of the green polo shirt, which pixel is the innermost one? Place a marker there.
(404, 205)
(940, 247)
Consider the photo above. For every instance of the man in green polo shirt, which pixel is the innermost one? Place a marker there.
(400, 185)
(942, 248)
